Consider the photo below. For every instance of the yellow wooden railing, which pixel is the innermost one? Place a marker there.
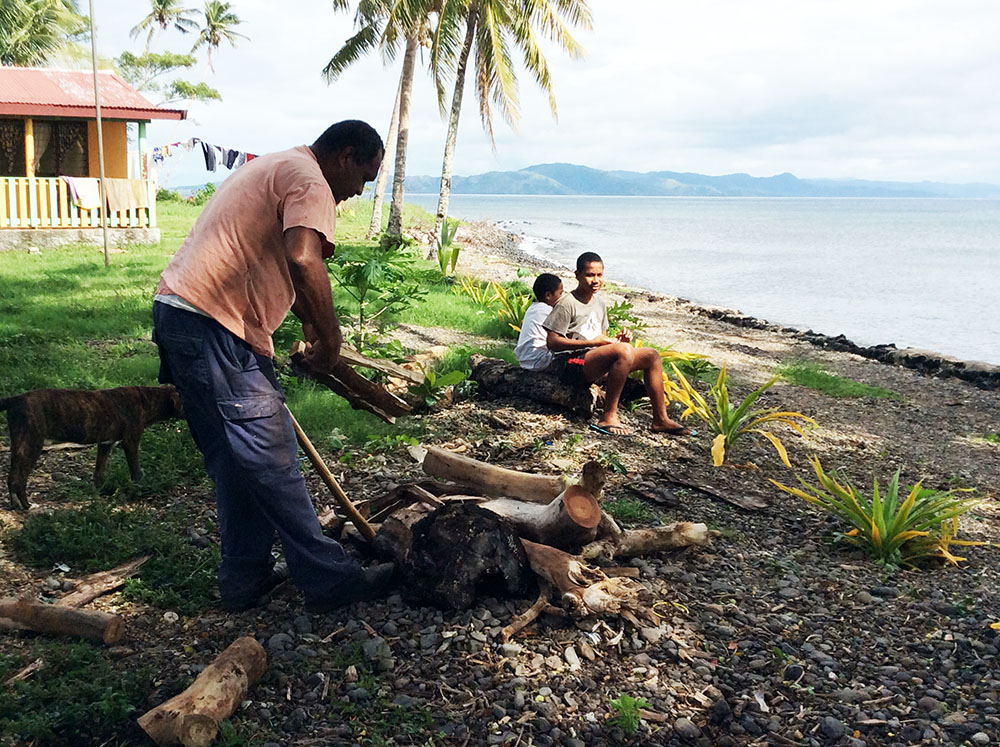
(45, 202)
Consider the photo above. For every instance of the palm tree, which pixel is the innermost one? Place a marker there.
(493, 28)
(32, 31)
(163, 14)
(219, 24)
(381, 24)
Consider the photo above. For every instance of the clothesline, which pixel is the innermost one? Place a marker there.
(215, 155)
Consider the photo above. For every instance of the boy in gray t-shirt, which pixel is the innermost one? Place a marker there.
(577, 335)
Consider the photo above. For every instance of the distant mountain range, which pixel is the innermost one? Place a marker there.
(570, 179)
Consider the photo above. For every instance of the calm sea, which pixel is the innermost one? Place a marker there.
(916, 272)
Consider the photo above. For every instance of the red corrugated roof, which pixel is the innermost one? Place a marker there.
(45, 92)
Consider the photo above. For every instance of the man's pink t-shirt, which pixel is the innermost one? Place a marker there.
(232, 265)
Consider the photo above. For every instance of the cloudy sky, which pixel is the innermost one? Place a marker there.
(870, 89)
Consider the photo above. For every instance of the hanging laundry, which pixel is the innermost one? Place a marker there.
(211, 156)
(84, 191)
(231, 156)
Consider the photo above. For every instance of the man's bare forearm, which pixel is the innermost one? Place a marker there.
(313, 298)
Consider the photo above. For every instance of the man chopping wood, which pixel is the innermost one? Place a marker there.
(256, 252)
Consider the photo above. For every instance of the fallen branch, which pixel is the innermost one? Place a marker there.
(748, 502)
(541, 606)
(97, 584)
(25, 673)
(490, 479)
(50, 618)
(192, 718)
(633, 542)
(361, 393)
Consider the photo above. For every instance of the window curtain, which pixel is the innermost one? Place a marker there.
(12, 147)
(43, 140)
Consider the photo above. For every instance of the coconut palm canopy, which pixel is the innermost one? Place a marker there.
(33, 31)
(220, 20)
(162, 15)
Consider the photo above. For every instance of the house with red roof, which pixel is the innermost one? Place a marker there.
(49, 193)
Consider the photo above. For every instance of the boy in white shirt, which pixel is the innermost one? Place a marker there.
(532, 350)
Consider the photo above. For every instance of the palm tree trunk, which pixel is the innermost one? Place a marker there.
(383, 173)
(395, 228)
(456, 110)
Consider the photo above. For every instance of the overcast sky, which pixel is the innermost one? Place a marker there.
(871, 89)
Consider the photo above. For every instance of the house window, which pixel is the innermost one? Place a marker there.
(61, 148)
(12, 147)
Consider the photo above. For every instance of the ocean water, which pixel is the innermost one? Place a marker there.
(915, 272)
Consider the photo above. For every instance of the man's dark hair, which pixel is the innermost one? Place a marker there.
(585, 259)
(545, 283)
(351, 133)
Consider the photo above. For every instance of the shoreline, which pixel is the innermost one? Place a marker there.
(493, 240)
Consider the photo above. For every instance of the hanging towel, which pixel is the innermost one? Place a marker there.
(125, 194)
(85, 191)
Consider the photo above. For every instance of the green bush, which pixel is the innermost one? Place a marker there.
(204, 194)
(168, 195)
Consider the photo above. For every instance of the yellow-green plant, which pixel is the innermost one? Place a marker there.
(447, 251)
(513, 305)
(730, 423)
(893, 531)
(481, 293)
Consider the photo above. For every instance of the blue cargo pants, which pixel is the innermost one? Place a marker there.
(236, 412)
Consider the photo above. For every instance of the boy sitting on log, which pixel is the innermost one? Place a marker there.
(576, 334)
(532, 350)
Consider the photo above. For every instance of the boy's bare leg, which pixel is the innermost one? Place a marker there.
(615, 360)
(648, 360)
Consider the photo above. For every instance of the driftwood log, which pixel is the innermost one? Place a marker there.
(498, 379)
(568, 522)
(361, 393)
(93, 625)
(490, 479)
(192, 718)
(634, 542)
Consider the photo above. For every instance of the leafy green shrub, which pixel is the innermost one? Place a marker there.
(380, 281)
(628, 717)
(76, 699)
(204, 194)
(730, 423)
(814, 376)
(168, 195)
(482, 294)
(432, 388)
(621, 315)
(893, 531)
(698, 369)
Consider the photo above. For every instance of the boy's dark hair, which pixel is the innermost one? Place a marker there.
(545, 283)
(351, 133)
(585, 259)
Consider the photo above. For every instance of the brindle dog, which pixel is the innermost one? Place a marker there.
(101, 417)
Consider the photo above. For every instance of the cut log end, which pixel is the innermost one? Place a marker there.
(582, 507)
(198, 730)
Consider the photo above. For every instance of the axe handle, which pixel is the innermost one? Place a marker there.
(345, 503)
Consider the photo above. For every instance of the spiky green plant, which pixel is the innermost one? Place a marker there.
(513, 305)
(730, 423)
(893, 531)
